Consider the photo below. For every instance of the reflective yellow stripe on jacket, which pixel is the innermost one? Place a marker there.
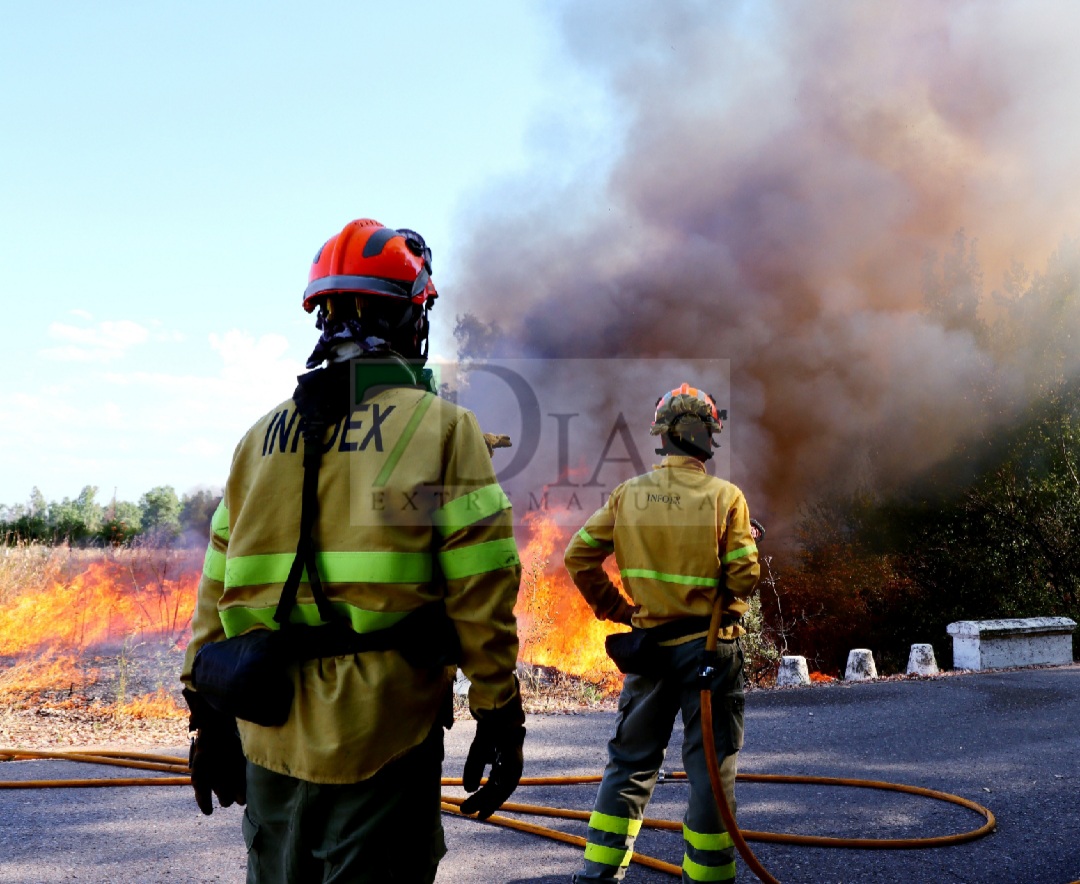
(219, 523)
(365, 567)
(334, 567)
(469, 509)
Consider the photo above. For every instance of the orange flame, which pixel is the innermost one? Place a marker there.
(47, 634)
(555, 625)
(104, 603)
(821, 678)
(160, 704)
(30, 677)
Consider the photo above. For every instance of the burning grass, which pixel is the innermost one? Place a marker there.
(92, 641)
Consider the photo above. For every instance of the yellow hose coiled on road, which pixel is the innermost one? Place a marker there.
(169, 764)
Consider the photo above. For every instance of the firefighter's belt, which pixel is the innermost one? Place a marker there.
(639, 651)
(248, 676)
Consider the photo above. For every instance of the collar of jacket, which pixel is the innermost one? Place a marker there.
(681, 460)
(325, 395)
(390, 371)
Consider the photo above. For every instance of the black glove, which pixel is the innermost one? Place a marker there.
(500, 734)
(216, 759)
(757, 530)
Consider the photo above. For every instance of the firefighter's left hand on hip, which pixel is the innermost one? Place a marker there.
(757, 530)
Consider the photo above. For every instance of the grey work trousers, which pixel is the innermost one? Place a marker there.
(647, 710)
(386, 829)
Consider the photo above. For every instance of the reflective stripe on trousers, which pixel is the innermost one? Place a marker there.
(647, 711)
(707, 856)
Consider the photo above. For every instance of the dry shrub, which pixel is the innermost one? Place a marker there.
(841, 598)
(150, 564)
(762, 646)
(30, 565)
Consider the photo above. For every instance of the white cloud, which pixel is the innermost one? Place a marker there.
(105, 341)
(202, 447)
(244, 355)
(254, 374)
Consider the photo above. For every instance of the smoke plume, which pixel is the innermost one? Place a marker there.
(786, 176)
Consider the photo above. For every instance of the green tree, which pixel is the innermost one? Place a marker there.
(160, 509)
(991, 533)
(76, 520)
(1015, 531)
(196, 513)
(121, 522)
(29, 522)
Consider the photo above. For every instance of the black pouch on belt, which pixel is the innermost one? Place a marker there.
(246, 676)
(641, 652)
(635, 652)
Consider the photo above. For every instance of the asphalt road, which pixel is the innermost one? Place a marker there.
(1008, 740)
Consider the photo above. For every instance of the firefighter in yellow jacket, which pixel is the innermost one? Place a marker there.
(362, 551)
(683, 542)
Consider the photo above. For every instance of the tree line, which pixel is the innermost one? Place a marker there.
(160, 516)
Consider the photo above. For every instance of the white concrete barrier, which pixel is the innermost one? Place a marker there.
(997, 644)
(793, 671)
(921, 661)
(461, 684)
(860, 665)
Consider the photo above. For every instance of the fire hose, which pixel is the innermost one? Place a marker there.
(168, 764)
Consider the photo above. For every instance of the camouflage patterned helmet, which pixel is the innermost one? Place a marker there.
(685, 402)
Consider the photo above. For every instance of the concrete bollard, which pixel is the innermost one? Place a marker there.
(921, 661)
(793, 671)
(860, 665)
(461, 684)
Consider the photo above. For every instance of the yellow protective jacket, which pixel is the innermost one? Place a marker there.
(410, 512)
(680, 537)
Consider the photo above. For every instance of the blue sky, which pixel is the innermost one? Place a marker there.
(169, 170)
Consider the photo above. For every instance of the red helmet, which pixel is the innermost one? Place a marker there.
(367, 258)
(686, 401)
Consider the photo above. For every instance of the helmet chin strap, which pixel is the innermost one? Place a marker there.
(349, 334)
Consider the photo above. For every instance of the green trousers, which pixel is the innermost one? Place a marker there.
(383, 830)
(647, 710)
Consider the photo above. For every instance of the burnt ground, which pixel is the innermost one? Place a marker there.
(116, 695)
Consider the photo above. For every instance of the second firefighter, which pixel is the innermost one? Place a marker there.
(683, 543)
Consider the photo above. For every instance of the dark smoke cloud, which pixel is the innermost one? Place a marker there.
(785, 172)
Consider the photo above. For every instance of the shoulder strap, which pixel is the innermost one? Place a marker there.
(321, 397)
